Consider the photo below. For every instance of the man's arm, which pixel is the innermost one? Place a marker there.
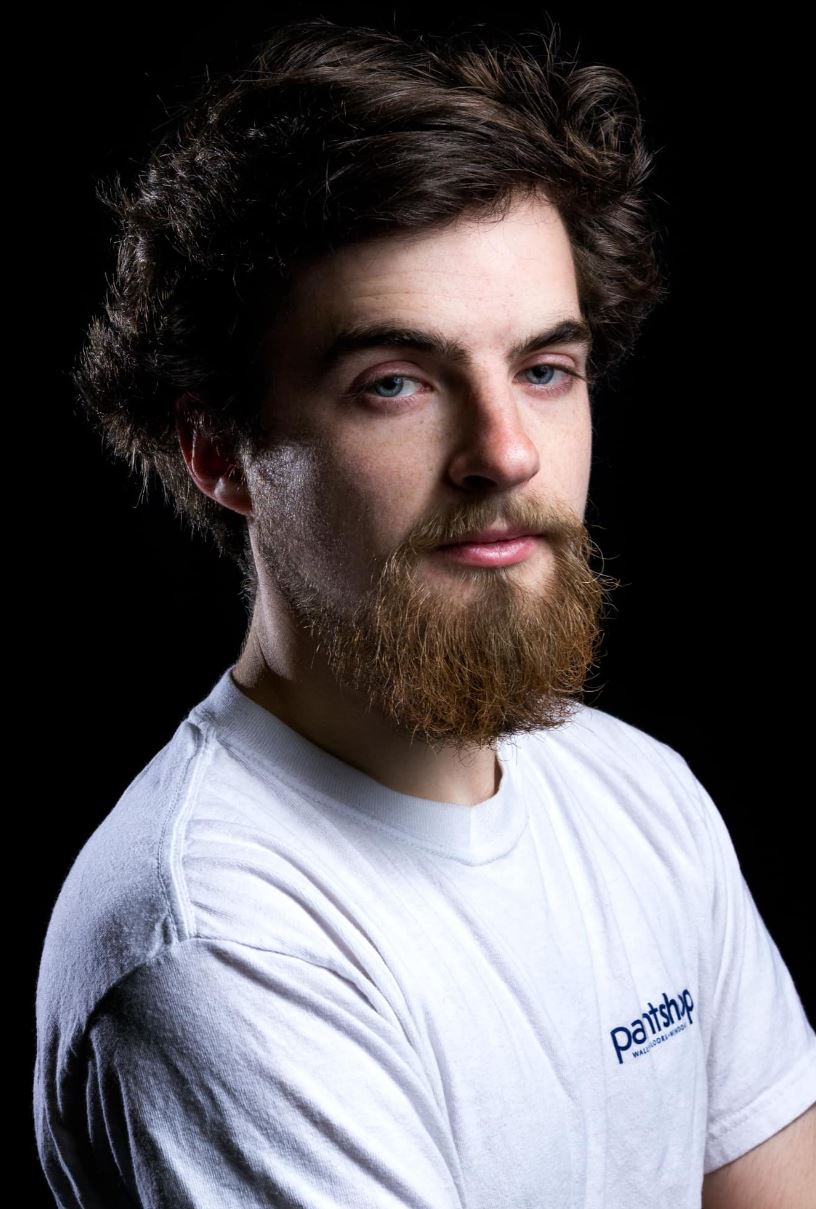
(219, 1076)
(780, 1173)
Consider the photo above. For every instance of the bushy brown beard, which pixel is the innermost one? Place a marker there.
(464, 663)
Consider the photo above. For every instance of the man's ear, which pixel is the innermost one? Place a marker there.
(213, 469)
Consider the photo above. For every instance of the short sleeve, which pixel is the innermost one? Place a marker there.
(225, 1077)
(762, 1050)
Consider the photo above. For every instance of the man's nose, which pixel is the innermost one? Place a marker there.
(493, 443)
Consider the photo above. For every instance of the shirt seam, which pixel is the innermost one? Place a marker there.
(768, 1097)
(239, 753)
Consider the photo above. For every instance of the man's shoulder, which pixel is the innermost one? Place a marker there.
(624, 777)
(119, 905)
(201, 844)
(593, 734)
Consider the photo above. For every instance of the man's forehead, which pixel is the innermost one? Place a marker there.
(461, 249)
(450, 306)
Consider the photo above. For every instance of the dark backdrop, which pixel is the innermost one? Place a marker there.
(135, 622)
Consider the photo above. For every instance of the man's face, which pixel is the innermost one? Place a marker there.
(361, 484)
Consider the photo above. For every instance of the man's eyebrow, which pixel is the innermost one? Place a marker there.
(360, 336)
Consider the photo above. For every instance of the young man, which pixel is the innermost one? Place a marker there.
(394, 918)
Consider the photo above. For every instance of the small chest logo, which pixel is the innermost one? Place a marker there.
(663, 1021)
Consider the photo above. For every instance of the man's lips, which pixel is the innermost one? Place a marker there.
(486, 536)
(495, 550)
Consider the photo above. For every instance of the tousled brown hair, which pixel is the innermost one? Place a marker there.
(333, 134)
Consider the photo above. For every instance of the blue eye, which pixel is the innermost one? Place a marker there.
(388, 378)
(544, 365)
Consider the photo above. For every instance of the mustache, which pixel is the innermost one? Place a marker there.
(555, 522)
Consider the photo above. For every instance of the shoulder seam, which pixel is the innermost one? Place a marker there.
(154, 958)
(174, 821)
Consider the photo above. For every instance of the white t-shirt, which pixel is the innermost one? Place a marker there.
(269, 980)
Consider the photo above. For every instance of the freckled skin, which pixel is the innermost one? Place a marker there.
(403, 663)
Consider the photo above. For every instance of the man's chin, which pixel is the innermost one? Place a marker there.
(463, 655)
(469, 672)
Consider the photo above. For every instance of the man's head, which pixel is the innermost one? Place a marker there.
(355, 178)
(381, 453)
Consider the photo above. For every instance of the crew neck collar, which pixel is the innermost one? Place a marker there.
(473, 833)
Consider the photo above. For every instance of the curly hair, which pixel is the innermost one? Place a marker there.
(334, 134)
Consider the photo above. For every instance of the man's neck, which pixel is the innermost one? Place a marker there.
(312, 704)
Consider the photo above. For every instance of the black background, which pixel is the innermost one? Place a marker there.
(696, 469)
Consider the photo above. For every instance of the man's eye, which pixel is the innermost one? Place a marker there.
(547, 365)
(369, 387)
